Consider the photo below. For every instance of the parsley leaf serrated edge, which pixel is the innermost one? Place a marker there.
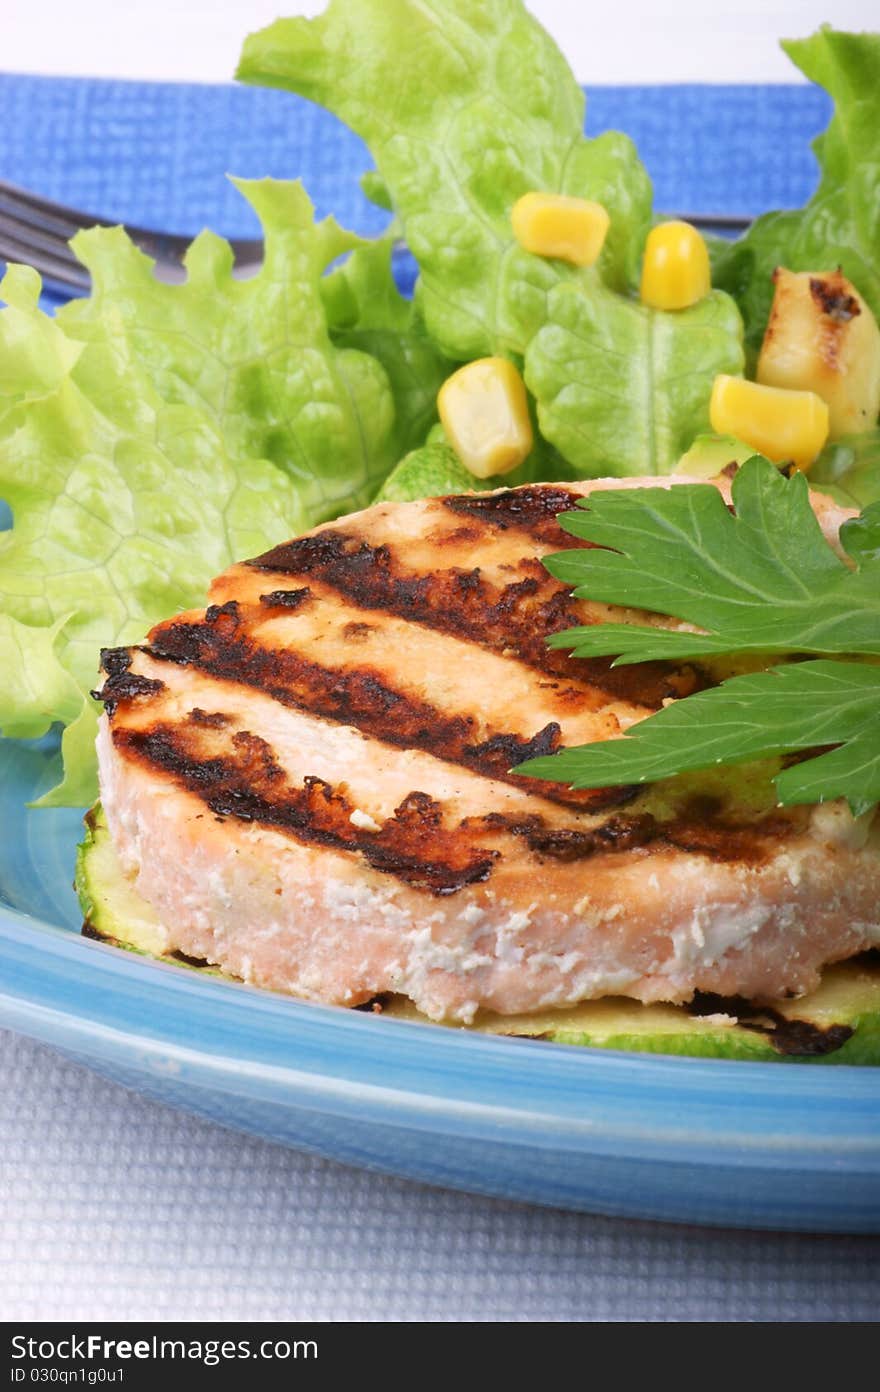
(804, 705)
(760, 579)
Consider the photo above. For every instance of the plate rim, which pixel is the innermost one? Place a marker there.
(540, 1083)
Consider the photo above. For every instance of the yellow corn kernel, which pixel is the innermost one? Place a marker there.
(485, 414)
(786, 426)
(675, 271)
(552, 224)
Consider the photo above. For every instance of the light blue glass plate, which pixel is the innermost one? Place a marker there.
(730, 1143)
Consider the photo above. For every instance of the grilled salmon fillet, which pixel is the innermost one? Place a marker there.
(310, 782)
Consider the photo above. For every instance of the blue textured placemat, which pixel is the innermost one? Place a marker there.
(156, 153)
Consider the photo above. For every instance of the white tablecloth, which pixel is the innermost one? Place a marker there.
(118, 1208)
(632, 41)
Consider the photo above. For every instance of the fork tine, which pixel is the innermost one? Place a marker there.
(33, 235)
(710, 222)
(39, 212)
(41, 240)
(48, 227)
(63, 272)
(166, 248)
(66, 272)
(36, 238)
(30, 234)
(64, 222)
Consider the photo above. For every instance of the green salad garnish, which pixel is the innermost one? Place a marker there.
(763, 581)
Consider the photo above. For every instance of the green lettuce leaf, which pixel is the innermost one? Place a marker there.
(254, 356)
(36, 356)
(761, 579)
(36, 689)
(840, 226)
(465, 107)
(366, 312)
(622, 389)
(373, 187)
(124, 509)
(78, 785)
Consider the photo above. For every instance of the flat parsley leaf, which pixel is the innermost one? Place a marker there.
(802, 705)
(761, 579)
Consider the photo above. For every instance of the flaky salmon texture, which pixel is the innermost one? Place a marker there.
(309, 781)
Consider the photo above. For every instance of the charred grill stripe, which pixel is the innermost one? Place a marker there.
(514, 620)
(115, 661)
(286, 599)
(360, 696)
(246, 783)
(126, 686)
(532, 511)
(211, 720)
(831, 297)
(723, 842)
(120, 684)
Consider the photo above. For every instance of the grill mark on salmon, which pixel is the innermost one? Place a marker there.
(515, 619)
(212, 720)
(723, 841)
(242, 779)
(359, 695)
(577, 843)
(121, 684)
(286, 599)
(246, 782)
(532, 511)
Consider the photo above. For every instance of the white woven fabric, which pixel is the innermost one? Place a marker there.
(679, 41)
(114, 1207)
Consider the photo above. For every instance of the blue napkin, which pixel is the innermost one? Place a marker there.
(156, 153)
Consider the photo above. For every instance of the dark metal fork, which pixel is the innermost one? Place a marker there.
(37, 231)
